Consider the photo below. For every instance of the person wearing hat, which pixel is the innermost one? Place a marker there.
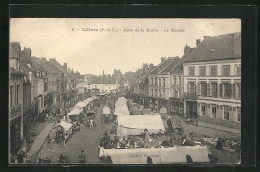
(82, 157)
(146, 137)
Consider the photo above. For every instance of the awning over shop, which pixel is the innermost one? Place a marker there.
(65, 125)
(158, 155)
(135, 124)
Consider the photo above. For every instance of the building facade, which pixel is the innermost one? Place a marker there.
(212, 80)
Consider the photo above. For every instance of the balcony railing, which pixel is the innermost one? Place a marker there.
(190, 96)
(15, 111)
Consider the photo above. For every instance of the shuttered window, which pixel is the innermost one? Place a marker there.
(214, 89)
(204, 89)
(209, 90)
(198, 89)
(234, 91)
(220, 90)
(227, 90)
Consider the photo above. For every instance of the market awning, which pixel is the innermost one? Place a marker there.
(106, 111)
(135, 124)
(158, 155)
(75, 111)
(80, 104)
(65, 125)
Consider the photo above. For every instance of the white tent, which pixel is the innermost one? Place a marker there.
(121, 111)
(120, 104)
(80, 105)
(66, 125)
(75, 111)
(158, 155)
(135, 124)
(106, 111)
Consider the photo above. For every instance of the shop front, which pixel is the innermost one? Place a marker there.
(16, 127)
(177, 107)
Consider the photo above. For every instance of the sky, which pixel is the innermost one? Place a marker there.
(91, 52)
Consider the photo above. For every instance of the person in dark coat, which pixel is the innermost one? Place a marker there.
(82, 157)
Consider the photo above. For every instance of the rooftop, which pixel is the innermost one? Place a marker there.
(221, 47)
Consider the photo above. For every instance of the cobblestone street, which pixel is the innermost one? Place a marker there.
(85, 139)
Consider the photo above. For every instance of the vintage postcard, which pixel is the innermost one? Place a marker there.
(124, 91)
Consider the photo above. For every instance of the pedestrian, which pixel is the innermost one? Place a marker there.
(195, 115)
(91, 124)
(82, 157)
(146, 137)
(112, 138)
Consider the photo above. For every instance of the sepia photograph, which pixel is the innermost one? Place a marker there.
(124, 91)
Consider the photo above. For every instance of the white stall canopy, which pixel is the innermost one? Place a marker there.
(75, 111)
(170, 155)
(135, 124)
(65, 125)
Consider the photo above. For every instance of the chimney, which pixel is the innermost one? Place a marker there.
(69, 69)
(103, 73)
(43, 58)
(65, 66)
(150, 65)
(163, 59)
(16, 48)
(52, 59)
(206, 37)
(186, 49)
(197, 42)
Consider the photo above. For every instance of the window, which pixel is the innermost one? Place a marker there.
(163, 93)
(203, 89)
(226, 112)
(174, 80)
(191, 71)
(160, 93)
(225, 70)
(152, 92)
(203, 109)
(156, 94)
(203, 70)
(238, 91)
(17, 94)
(152, 80)
(213, 70)
(214, 89)
(11, 95)
(179, 80)
(238, 69)
(238, 114)
(155, 81)
(227, 90)
(175, 94)
(163, 82)
(159, 82)
(214, 110)
(191, 87)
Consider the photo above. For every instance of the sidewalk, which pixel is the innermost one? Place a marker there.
(232, 130)
(39, 140)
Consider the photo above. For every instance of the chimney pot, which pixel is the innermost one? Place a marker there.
(205, 37)
(197, 42)
(163, 59)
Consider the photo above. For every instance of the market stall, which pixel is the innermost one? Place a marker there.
(135, 124)
(64, 128)
(158, 155)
